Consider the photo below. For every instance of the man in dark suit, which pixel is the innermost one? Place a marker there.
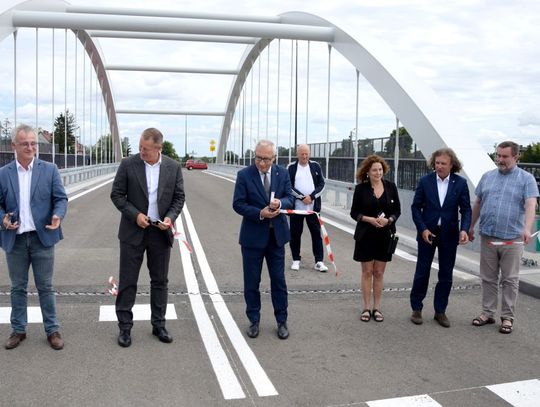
(261, 190)
(149, 192)
(438, 198)
(32, 204)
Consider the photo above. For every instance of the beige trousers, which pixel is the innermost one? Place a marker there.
(499, 265)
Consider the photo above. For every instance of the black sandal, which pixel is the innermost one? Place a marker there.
(366, 315)
(479, 321)
(377, 315)
(508, 328)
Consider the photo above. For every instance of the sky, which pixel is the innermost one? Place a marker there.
(481, 57)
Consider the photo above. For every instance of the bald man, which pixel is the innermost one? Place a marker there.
(307, 186)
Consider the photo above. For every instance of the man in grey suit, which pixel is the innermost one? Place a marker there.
(32, 204)
(149, 192)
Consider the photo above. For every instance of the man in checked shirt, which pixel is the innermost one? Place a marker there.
(505, 203)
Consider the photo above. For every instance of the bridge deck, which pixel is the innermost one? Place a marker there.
(331, 358)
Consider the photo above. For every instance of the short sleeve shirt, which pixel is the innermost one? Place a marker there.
(502, 212)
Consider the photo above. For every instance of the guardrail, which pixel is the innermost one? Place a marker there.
(73, 175)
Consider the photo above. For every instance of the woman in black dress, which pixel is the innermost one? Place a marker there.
(375, 208)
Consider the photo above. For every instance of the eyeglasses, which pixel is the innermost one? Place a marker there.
(27, 144)
(265, 160)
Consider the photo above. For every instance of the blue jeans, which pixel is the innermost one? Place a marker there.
(27, 251)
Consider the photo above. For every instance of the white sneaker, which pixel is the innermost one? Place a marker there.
(319, 266)
(295, 265)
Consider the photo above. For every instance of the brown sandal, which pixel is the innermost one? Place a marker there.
(377, 315)
(508, 327)
(366, 315)
(479, 321)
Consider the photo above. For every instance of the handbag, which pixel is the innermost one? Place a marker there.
(392, 244)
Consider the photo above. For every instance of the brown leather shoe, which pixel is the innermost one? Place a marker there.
(14, 340)
(442, 319)
(416, 317)
(55, 340)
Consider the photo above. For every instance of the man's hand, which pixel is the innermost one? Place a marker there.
(142, 221)
(307, 200)
(463, 237)
(471, 234)
(427, 236)
(268, 213)
(6, 222)
(526, 236)
(55, 223)
(166, 224)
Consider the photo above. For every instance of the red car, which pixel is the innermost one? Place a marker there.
(196, 164)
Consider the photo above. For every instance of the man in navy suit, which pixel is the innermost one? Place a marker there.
(438, 198)
(261, 190)
(32, 204)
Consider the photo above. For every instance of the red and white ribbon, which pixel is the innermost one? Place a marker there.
(113, 290)
(179, 236)
(324, 233)
(511, 242)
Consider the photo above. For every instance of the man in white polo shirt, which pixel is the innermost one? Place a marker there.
(307, 186)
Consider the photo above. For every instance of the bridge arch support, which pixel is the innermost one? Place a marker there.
(422, 112)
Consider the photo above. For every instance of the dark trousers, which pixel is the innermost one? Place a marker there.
(275, 261)
(447, 259)
(158, 253)
(297, 227)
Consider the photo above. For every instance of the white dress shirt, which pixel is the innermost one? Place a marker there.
(26, 221)
(442, 188)
(152, 181)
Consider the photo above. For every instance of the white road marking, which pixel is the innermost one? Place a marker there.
(404, 255)
(219, 176)
(258, 376)
(519, 394)
(89, 190)
(422, 400)
(34, 315)
(228, 382)
(141, 312)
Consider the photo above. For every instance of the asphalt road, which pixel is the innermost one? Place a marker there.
(330, 359)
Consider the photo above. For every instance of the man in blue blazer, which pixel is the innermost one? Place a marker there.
(438, 199)
(32, 204)
(261, 190)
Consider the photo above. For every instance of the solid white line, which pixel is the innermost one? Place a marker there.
(258, 376)
(219, 176)
(228, 382)
(89, 190)
(519, 394)
(141, 312)
(422, 400)
(34, 315)
(404, 255)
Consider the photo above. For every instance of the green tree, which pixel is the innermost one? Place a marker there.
(168, 150)
(59, 132)
(405, 143)
(103, 150)
(231, 157)
(531, 154)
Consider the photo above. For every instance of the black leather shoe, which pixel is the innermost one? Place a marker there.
(124, 339)
(162, 334)
(253, 330)
(282, 331)
(442, 319)
(14, 340)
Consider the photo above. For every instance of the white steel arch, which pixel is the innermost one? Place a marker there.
(91, 48)
(420, 110)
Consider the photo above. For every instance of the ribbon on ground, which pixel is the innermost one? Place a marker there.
(324, 233)
(511, 243)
